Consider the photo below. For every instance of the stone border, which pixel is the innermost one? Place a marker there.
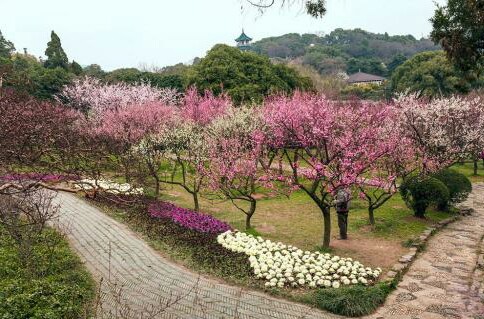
(400, 268)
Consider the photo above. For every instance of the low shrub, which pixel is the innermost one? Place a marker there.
(458, 184)
(419, 193)
(58, 287)
(353, 301)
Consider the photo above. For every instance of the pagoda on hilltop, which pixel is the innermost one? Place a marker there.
(243, 41)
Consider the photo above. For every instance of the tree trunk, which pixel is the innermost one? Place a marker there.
(250, 213)
(420, 210)
(371, 215)
(195, 201)
(475, 166)
(126, 173)
(157, 187)
(327, 226)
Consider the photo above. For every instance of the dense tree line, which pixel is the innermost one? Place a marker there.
(346, 50)
(245, 76)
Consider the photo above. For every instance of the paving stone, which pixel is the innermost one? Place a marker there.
(399, 267)
(444, 279)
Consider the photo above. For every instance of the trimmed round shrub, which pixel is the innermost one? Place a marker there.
(458, 184)
(419, 193)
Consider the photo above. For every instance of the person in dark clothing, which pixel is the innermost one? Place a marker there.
(342, 208)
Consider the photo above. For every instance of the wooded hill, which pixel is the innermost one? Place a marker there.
(345, 50)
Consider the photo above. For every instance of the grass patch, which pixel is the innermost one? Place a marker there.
(58, 287)
(353, 301)
(252, 231)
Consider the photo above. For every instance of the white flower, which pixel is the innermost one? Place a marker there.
(279, 264)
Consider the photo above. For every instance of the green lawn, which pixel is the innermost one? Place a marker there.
(57, 286)
(297, 220)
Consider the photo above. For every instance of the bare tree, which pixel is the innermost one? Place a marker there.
(24, 216)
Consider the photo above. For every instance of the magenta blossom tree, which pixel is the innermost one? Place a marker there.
(327, 145)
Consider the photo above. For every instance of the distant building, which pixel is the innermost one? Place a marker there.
(365, 78)
(243, 41)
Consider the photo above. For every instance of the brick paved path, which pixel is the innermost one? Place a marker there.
(138, 282)
(445, 281)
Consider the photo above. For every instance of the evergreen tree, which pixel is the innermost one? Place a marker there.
(76, 68)
(56, 57)
(6, 47)
(459, 28)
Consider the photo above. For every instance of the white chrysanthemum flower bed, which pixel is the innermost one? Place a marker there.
(108, 187)
(284, 265)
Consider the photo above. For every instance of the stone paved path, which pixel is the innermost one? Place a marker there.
(139, 283)
(444, 281)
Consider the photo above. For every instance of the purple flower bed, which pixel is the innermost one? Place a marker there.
(188, 218)
(43, 177)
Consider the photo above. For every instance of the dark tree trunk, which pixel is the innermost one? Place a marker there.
(126, 173)
(327, 226)
(475, 166)
(250, 213)
(371, 215)
(420, 212)
(195, 201)
(157, 187)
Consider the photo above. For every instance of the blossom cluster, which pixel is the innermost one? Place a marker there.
(41, 177)
(91, 94)
(108, 187)
(283, 265)
(188, 218)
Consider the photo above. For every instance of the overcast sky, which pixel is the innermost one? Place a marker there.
(127, 33)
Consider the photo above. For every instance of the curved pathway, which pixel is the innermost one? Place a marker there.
(137, 282)
(446, 280)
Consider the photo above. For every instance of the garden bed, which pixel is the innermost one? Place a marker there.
(202, 253)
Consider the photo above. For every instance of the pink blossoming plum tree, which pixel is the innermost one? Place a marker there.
(327, 145)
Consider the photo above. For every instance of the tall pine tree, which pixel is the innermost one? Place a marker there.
(56, 57)
(6, 47)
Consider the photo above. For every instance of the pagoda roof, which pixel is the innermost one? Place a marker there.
(243, 37)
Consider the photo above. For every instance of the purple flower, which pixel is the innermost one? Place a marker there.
(188, 218)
